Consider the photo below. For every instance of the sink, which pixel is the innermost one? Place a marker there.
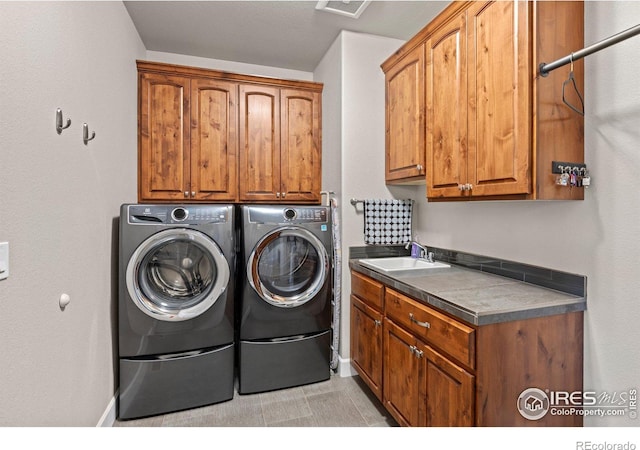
(401, 264)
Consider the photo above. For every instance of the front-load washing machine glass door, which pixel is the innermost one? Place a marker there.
(288, 267)
(176, 274)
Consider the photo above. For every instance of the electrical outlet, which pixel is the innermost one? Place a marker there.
(4, 260)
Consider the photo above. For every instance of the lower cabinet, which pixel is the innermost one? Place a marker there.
(421, 386)
(430, 369)
(366, 344)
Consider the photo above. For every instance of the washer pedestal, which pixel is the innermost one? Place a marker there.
(279, 363)
(161, 384)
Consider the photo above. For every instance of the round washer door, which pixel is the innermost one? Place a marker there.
(176, 274)
(288, 267)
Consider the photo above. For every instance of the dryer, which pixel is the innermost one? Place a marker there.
(285, 304)
(176, 307)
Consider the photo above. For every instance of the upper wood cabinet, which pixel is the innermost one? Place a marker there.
(280, 158)
(209, 136)
(446, 155)
(404, 141)
(214, 140)
(188, 139)
(164, 131)
(493, 124)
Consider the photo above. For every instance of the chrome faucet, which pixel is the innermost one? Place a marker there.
(424, 252)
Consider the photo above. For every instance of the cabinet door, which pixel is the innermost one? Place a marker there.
(402, 372)
(300, 162)
(446, 81)
(366, 344)
(214, 140)
(499, 97)
(259, 143)
(448, 390)
(405, 126)
(163, 137)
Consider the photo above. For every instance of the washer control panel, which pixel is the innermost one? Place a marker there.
(174, 214)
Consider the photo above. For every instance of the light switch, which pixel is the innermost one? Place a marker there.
(4, 260)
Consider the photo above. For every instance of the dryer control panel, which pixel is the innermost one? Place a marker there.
(176, 214)
(289, 214)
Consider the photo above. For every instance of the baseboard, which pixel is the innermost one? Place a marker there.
(345, 369)
(109, 416)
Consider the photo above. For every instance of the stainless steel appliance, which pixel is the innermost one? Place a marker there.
(176, 307)
(285, 303)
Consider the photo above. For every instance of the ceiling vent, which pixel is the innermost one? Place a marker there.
(347, 8)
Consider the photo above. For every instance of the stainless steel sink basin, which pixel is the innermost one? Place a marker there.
(400, 264)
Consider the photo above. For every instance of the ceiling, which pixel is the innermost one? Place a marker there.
(285, 34)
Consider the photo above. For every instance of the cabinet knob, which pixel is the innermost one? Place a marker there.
(469, 186)
(414, 351)
(186, 194)
(377, 322)
(283, 194)
(419, 167)
(193, 193)
(277, 194)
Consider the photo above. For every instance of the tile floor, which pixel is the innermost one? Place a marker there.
(338, 402)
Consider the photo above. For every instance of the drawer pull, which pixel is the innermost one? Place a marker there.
(377, 323)
(417, 322)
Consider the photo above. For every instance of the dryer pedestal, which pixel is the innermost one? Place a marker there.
(158, 385)
(280, 363)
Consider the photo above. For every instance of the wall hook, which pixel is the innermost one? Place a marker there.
(59, 122)
(85, 134)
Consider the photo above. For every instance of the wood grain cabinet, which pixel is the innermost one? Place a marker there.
(404, 118)
(422, 387)
(280, 142)
(493, 125)
(210, 136)
(367, 297)
(431, 369)
(188, 139)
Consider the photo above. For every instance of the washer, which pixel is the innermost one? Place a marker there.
(176, 307)
(286, 288)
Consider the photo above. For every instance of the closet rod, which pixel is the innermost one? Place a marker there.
(623, 35)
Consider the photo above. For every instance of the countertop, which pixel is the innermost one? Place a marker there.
(478, 298)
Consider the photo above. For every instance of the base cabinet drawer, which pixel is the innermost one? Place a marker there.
(368, 290)
(449, 335)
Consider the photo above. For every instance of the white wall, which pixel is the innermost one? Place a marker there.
(58, 204)
(598, 237)
(357, 108)
(329, 72)
(228, 66)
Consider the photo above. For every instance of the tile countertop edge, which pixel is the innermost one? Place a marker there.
(570, 304)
